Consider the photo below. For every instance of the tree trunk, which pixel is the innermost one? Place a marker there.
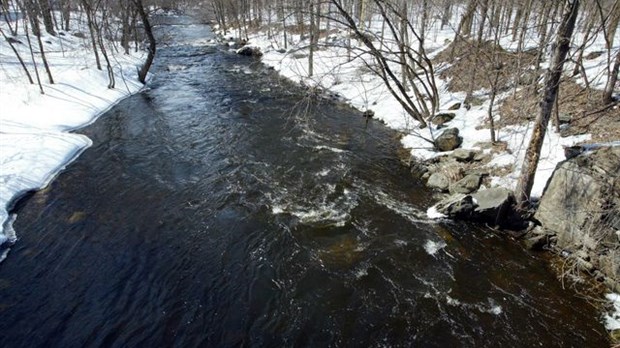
(21, 61)
(312, 34)
(152, 43)
(46, 13)
(611, 81)
(552, 80)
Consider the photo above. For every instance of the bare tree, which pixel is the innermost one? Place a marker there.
(552, 80)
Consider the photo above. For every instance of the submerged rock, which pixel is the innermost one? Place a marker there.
(448, 140)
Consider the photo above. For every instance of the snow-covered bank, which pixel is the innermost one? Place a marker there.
(35, 138)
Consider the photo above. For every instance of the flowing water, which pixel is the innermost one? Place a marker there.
(222, 207)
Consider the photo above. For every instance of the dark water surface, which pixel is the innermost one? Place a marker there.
(220, 208)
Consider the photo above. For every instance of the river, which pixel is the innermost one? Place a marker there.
(224, 207)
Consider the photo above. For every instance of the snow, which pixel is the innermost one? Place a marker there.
(612, 319)
(35, 139)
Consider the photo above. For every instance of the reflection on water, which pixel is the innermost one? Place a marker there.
(210, 213)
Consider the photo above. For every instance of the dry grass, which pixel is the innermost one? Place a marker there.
(461, 55)
(582, 105)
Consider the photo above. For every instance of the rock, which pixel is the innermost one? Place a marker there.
(448, 140)
(581, 205)
(468, 184)
(438, 181)
(572, 151)
(491, 205)
(536, 241)
(565, 118)
(455, 106)
(251, 51)
(442, 118)
(494, 205)
(368, 113)
(458, 206)
(463, 155)
(281, 50)
(481, 156)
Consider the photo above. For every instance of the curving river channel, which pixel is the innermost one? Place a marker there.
(223, 208)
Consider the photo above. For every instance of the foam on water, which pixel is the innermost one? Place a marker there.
(432, 247)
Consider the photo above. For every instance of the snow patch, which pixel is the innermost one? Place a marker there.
(612, 319)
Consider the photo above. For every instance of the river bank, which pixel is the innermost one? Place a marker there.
(37, 124)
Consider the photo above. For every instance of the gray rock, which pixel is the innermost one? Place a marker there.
(442, 118)
(455, 106)
(468, 184)
(448, 140)
(493, 205)
(565, 118)
(463, 155)
(438, 181)
(458, 206)
(281, 50)
(581, 202)
(481, 156)
(251, 51)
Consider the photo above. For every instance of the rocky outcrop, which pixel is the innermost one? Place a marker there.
(448, 140)
(580, 213)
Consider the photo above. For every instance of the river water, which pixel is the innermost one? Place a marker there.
(223, 207)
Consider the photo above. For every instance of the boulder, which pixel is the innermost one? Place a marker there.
(494, 205)
(438, 181)
(442, 118)
(468, 184)
(464, 155)
(580, 191)
(251, 51)
(448, 140)
(491, 205)
(458, 206)
(580, 207)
